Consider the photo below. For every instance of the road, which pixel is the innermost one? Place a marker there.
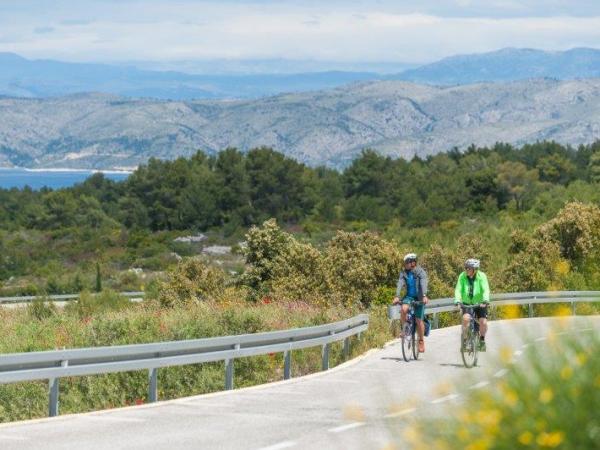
(361, 404)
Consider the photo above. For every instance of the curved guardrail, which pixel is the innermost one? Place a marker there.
(59, 297)
(519, 298)
(56, 364)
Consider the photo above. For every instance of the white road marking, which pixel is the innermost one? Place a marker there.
(501, 373)
(541, 339)
(400, 413)
(518, 353)
(525, 345)
(444, 399)
(480, 385)
(284, 444)
(346, 427)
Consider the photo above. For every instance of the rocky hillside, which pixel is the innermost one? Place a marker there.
(324, 127)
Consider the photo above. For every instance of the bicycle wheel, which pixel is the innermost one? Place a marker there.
(407, 341)
(415, 347)
(469, 349)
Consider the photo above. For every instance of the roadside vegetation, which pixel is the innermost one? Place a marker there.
(308, 246)
(52, 241)
(548, 400)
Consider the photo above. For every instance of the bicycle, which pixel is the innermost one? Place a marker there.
(469, 347)
(409, 331)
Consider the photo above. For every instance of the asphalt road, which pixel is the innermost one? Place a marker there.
(361, 404)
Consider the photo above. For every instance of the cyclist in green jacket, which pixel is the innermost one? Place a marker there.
(472, 295)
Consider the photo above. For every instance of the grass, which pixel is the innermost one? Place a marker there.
(108, 320)
(44, 327)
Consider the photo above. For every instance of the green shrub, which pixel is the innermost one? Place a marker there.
(549, 400)
(41, 308)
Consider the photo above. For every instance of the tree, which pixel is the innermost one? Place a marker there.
(594, 167)
(517, 181)
(98, 278)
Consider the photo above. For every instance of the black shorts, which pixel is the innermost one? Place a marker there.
(479, 312)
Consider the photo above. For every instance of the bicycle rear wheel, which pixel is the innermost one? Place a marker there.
(407, 341)
(469, 349)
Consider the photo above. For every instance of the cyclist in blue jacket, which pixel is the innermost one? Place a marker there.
(414, 279)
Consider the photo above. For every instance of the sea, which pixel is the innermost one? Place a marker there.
(51, 178)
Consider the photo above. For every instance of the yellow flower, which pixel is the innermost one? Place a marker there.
(562, 267)
(553, 439)
(512, 312)
(463, 434)
(489, 419)
(506, 354)
(566, 372)
(510, 397)
(354, 412)
(443, 388)
(526, 438)
(479, 444)
(411, 434)
(563, 311)
(581, 358)
(546, 395)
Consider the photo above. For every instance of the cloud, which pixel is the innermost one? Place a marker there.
(352, 31)
(43, 30)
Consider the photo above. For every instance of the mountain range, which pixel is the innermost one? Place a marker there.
(322, 127)
(20, 77)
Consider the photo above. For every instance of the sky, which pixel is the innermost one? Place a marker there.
(412, 31)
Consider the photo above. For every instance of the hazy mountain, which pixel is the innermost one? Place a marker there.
(324, 127)
(508, 64)
(20, 77)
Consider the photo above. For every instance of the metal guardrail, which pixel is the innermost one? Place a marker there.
(56, 364)
(519, 298)
(58, 297)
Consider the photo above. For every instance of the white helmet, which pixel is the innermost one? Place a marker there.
(472, 263)
(410, 257)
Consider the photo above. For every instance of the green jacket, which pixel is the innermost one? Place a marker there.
(481, 289)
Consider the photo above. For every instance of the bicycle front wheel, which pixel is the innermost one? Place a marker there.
(469, 348)
(407, 341)
(415, 347)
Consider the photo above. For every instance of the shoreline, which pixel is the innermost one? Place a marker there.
(68, 170)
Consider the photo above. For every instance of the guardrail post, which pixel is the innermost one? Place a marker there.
(530, 310)
(436, 321)
(152, 385)
(573, 308)
(325, 354)
(287, 364)
(229, 370)
(53, 388)
(346, 348)
(229, 374)
(53, 397)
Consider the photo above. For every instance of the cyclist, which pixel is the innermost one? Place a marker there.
(414, 279)
(472, 295)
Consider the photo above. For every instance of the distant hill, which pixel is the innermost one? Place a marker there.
(508, 64)
(324, 127)
(20, 77)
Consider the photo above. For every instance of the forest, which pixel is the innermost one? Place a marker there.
(53, 241)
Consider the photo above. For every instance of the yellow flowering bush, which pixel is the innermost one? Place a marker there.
(549, 400)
